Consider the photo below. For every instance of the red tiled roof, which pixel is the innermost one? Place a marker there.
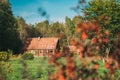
(41, 43)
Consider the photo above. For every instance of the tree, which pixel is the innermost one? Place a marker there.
(22, 29)
(9, 37)
(58, 28)
(32, 31)
(106, 13)
(77, 19)
(43, 28)
(70, 29)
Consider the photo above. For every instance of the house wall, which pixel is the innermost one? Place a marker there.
(41, 53)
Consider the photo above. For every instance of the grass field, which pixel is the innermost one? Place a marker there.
(36, 69)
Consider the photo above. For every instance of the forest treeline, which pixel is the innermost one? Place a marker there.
(14, 30)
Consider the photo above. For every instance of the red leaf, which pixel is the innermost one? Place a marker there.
(85, 26)
(96, 66)
(84, 35)
(107, 65)
(106, 40)
(94, 40)
(72, 42)
(61, 77)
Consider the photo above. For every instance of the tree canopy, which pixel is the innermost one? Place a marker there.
(9, 37)
(106, 13)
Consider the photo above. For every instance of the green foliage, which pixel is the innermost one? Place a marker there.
(9, 37)
(70, 27)
(42, 71)
(4, 56)
(43, 28)
(25, 30)
(106, 13)
(28, 56)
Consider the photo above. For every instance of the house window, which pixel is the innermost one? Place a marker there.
(50, 51)
(32, 51)
(41, 51)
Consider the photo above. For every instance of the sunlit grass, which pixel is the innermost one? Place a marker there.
(34, 66)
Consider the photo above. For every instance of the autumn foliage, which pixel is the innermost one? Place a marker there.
(90, 59)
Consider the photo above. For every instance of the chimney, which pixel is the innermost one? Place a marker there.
(38, 38)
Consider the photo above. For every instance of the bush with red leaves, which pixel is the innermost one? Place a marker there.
(92, 61)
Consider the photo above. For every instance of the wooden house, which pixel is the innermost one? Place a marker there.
(41, 46)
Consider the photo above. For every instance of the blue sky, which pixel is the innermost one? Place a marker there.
(57, 9)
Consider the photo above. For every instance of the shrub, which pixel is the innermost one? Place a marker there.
(94, 60)
(28, 56)
(4, 56)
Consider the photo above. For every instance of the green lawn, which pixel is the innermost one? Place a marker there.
(36, 69)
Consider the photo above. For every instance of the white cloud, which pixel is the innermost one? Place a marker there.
(26, 14)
